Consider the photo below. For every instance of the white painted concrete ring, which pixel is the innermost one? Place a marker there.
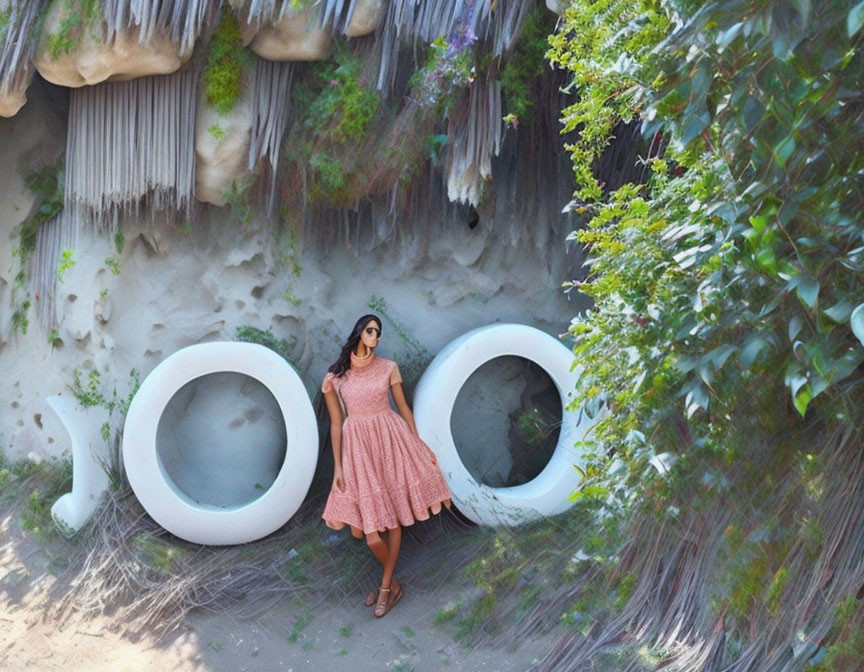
(435, 396)
(171, 507)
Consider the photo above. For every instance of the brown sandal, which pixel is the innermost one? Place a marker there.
(391, 601)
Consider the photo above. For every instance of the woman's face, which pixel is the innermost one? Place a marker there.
(371, 334)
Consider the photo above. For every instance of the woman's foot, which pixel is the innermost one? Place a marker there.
(370, 598)
(387, 598)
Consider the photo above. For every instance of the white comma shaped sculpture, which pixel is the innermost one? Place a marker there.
(89, 462)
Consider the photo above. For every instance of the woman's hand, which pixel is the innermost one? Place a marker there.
(338, 480)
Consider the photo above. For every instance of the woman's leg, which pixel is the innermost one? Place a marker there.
(390, 588)
(378, 547)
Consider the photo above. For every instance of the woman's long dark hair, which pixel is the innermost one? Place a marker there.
(343, 363)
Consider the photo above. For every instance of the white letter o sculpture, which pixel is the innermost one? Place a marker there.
(435, 396)
(170, 506)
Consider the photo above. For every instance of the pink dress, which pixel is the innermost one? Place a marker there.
(389, 477)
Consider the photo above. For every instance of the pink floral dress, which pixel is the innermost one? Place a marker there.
(388, 474)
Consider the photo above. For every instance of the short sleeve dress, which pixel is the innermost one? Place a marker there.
(388, 474)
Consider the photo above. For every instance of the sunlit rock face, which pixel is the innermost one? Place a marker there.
(12, 100)
(221, 149)
(367, 16)
(557, 6)
(96, 60)
(432, 278)
(298, 36)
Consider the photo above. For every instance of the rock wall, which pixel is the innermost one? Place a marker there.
(179, 286)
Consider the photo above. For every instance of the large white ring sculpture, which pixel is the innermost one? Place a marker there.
(435, 396)
(172, 508)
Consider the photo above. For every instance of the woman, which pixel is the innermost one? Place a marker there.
(384, 476)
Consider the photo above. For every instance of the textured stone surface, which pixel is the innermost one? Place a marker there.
(298, 36)
(94, 60)
(12, 100)
(221, 149)
(179, 286)
(367, 16)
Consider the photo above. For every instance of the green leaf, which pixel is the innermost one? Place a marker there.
(751, 351)
(807, 290)
(839, 312)
(802, 400)
(719, 355)
(795, 325)
(857, 321)
(855, 19)
(783, 150)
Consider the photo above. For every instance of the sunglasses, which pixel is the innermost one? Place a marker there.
(373, 330)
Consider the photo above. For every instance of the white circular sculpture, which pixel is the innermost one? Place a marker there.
(436, 393)
(190, 516)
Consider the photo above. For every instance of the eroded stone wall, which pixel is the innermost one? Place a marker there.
(188, 284)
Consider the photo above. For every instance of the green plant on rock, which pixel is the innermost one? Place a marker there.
(5, 17)
(47, 184)
(239, 200)
(77, 16)
(223, 75)
(346, 103)
(67, 263)
(282, 347)
(20, 320)
(525, 63)
(93, 392)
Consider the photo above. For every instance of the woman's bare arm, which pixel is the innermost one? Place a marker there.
(335, 411)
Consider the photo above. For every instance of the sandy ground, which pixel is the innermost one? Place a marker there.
(342, 637)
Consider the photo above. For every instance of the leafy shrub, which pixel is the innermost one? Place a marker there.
(223, 74)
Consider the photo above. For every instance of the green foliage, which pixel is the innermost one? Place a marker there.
(66, 263)
(40, 484)
(217, 132)
(5, 16)
(723, 287)
(335, 106)
(20, 320)
(239, 200)
(607, 47)
(94, 393)
(847, 650)
(77, 16)
(113, 265)
(281, 347)
(158, 554)
(450, 65)
(346, 104)
(736, 268)
(524, 65)
(223, 75)
(47, 185)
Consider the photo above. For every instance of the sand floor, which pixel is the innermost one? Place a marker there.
(342, 637)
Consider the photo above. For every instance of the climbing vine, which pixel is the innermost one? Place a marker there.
(725, 282)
